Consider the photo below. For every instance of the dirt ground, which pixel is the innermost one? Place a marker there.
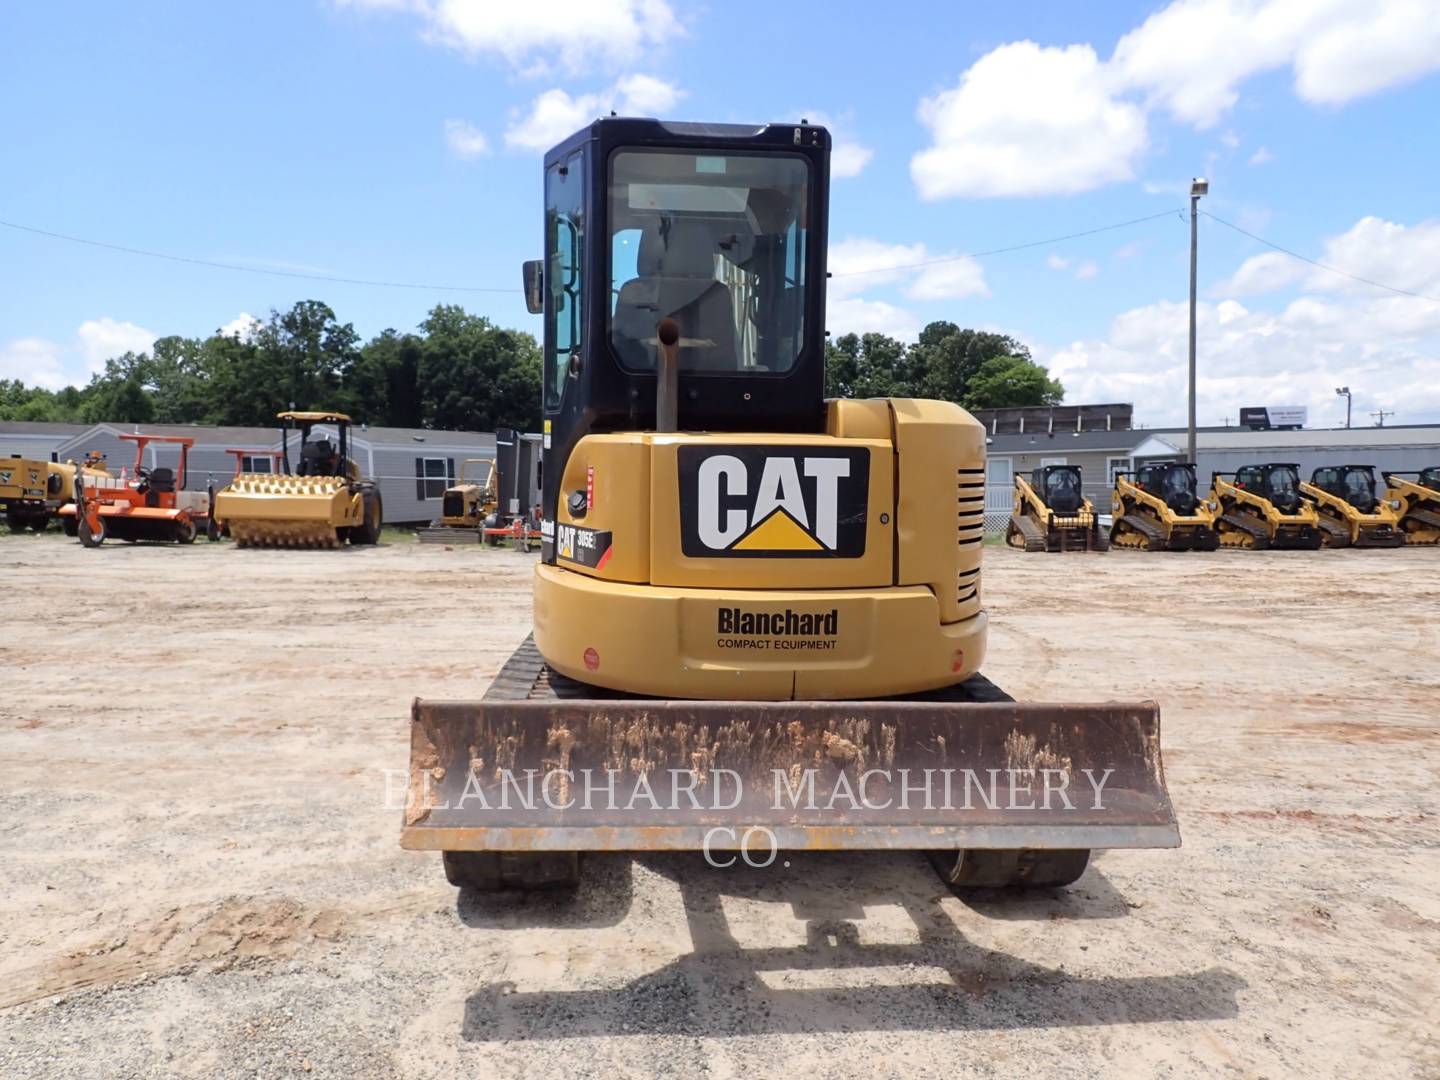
(199, 875)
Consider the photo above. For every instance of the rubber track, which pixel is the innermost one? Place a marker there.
(1337, 535)
(1258, 533)
(447, 534)
(526, 677)
(1154, 535)
(1032, 534)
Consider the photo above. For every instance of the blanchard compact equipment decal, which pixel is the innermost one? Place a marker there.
(773, 501)
(576, 544)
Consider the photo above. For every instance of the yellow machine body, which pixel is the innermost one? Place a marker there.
(1342, 525)
(1417, 506)
(1247, 519)
(33, 490)
(467, 504)
(320, 509)
(1143, 520)
(1036, 526)
(777, 615)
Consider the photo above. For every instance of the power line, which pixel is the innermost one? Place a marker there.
(1013, 247)
(250, 269)
(1320, 265)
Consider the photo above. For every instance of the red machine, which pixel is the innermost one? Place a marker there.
(152, 505)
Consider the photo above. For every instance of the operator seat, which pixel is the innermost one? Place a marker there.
(675, 269)
(318, 459)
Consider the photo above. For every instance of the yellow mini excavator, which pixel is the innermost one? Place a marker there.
(1260, 506)
(758, 618)
(320, 502)
(1350, 511)
(1051, 513)
(1417, 503)
(1158, 509)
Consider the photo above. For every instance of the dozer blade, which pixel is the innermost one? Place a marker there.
(599, 775)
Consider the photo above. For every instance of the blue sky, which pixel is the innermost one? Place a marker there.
(400, 140)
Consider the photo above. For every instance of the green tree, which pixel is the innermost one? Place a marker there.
(1011, 381)
(865, 366)
(384, 383)
(475, 376)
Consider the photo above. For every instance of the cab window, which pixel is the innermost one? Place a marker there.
(564, 270)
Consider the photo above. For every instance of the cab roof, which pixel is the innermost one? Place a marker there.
(319, 417)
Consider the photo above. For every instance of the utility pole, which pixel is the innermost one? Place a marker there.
(1344, 391)
(1379, 417)
(1198, 186)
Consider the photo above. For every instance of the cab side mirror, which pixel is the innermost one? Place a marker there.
(534, 273)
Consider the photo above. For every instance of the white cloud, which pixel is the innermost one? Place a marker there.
(555, 114)
(1403, 256)
(465, 140)
(852, 315)
(1261, 156)
(1027, 120)
(1032, 120)
(39, 362)
(242, 326)
(574, 33)
(859, 265)
(104, 338)
(1349, 334)
(1083, 271)
(34, 361)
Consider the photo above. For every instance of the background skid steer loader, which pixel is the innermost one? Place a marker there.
(1158, 509)
(1416, 503)
(1260, 506)
(1051, 513)
(758, 616)
(1350, 511)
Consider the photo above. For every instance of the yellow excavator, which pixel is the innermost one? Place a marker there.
(1051, 513)
(1157, 508)
(758, 616)
(1416, 502)
(320, 502)
(464, 505)
(1260, 506)
(1350, 511)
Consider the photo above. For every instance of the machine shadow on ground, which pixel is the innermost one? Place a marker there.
(834, 981)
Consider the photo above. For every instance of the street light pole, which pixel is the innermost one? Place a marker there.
(1344, 391)
(1198, 187)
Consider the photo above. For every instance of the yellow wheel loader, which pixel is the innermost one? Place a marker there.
(1417, 503)
(465, 505)
(1158, 509)
(33, 491)
(320, 502)
(1350, 511)
(1260, 506)
(1051, 513)
(758, 618)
